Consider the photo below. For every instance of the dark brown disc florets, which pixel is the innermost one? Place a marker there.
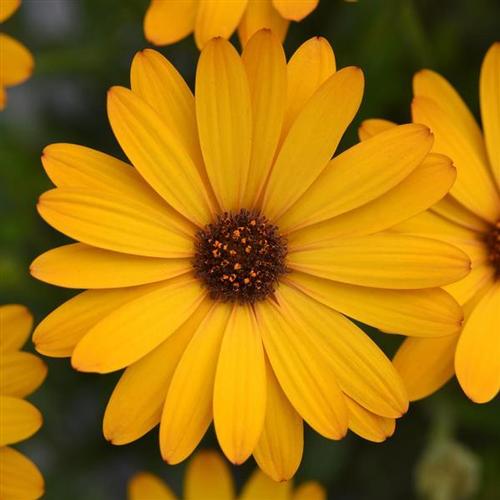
(240, 257)
(493, 241)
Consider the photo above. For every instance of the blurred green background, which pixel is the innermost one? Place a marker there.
(445, 448)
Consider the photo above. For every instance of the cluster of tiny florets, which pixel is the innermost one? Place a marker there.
(240, 257)
(493, 240)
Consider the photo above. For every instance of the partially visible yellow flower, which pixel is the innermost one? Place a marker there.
(222, 266)
(16, 61)
(469, 217)
(168, 21)
(209, 478)
(20, 374)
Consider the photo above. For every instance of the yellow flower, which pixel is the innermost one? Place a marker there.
(16, 61)
(220, 267)
(20, 374)
(168, 21)
(208, 478)
(469, 217)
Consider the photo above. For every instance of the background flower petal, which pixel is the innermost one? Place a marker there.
(169, 22)
(16, 323)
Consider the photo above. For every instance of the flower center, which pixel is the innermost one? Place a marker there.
(240, 257)
(493, 240)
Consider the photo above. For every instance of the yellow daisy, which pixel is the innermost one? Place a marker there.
(208, 478)
(16, 61)
(20, 374)
(168, 21)
(469, 217)
(221, 266)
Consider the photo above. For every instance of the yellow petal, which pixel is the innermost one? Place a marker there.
(361, 174)
(295, 10)
(429, 84)
(368, 425)
(19, 420)
(477, 360)
(106, 220)
(259, 486)
(374, 126)
(188, 407)
(454, 211)
(240, 386)
(474, 187)
(465, 289)
(385, 261)
(116, 341)
(134, 407)
(424, 313)
(425, 365)
(15, 326)
(217, 18)
(20, 373)
(261, 14)
(83, 266)
(158, 154)
(489, 91)
(265, 64)
(312, 139)
(20, 477)
(306, 376)
(146, 486)
(432, 225)
(7, 8)
(310, 490)
(73, 166)
(223, 111)
(16, 63)
(169, 22)
(58, 334)
(309, 67)
(361, 368)
(411, 196)
(279, 450)
(208, 478)
(154, 79)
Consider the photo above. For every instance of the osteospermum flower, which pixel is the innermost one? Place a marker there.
(221, 266)
(168, 21)
(208, 478)
(469, 218)
(16, 61)
(20, 374)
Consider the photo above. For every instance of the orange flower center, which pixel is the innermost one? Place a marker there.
(240, 257)
(493, 240)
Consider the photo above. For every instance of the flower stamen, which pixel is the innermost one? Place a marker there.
(240, 257)
(493, 241)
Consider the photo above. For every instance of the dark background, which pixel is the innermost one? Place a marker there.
(444, 448)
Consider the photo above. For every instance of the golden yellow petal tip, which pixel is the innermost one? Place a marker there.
(168, 460)
(108, 438)
(32, 270)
